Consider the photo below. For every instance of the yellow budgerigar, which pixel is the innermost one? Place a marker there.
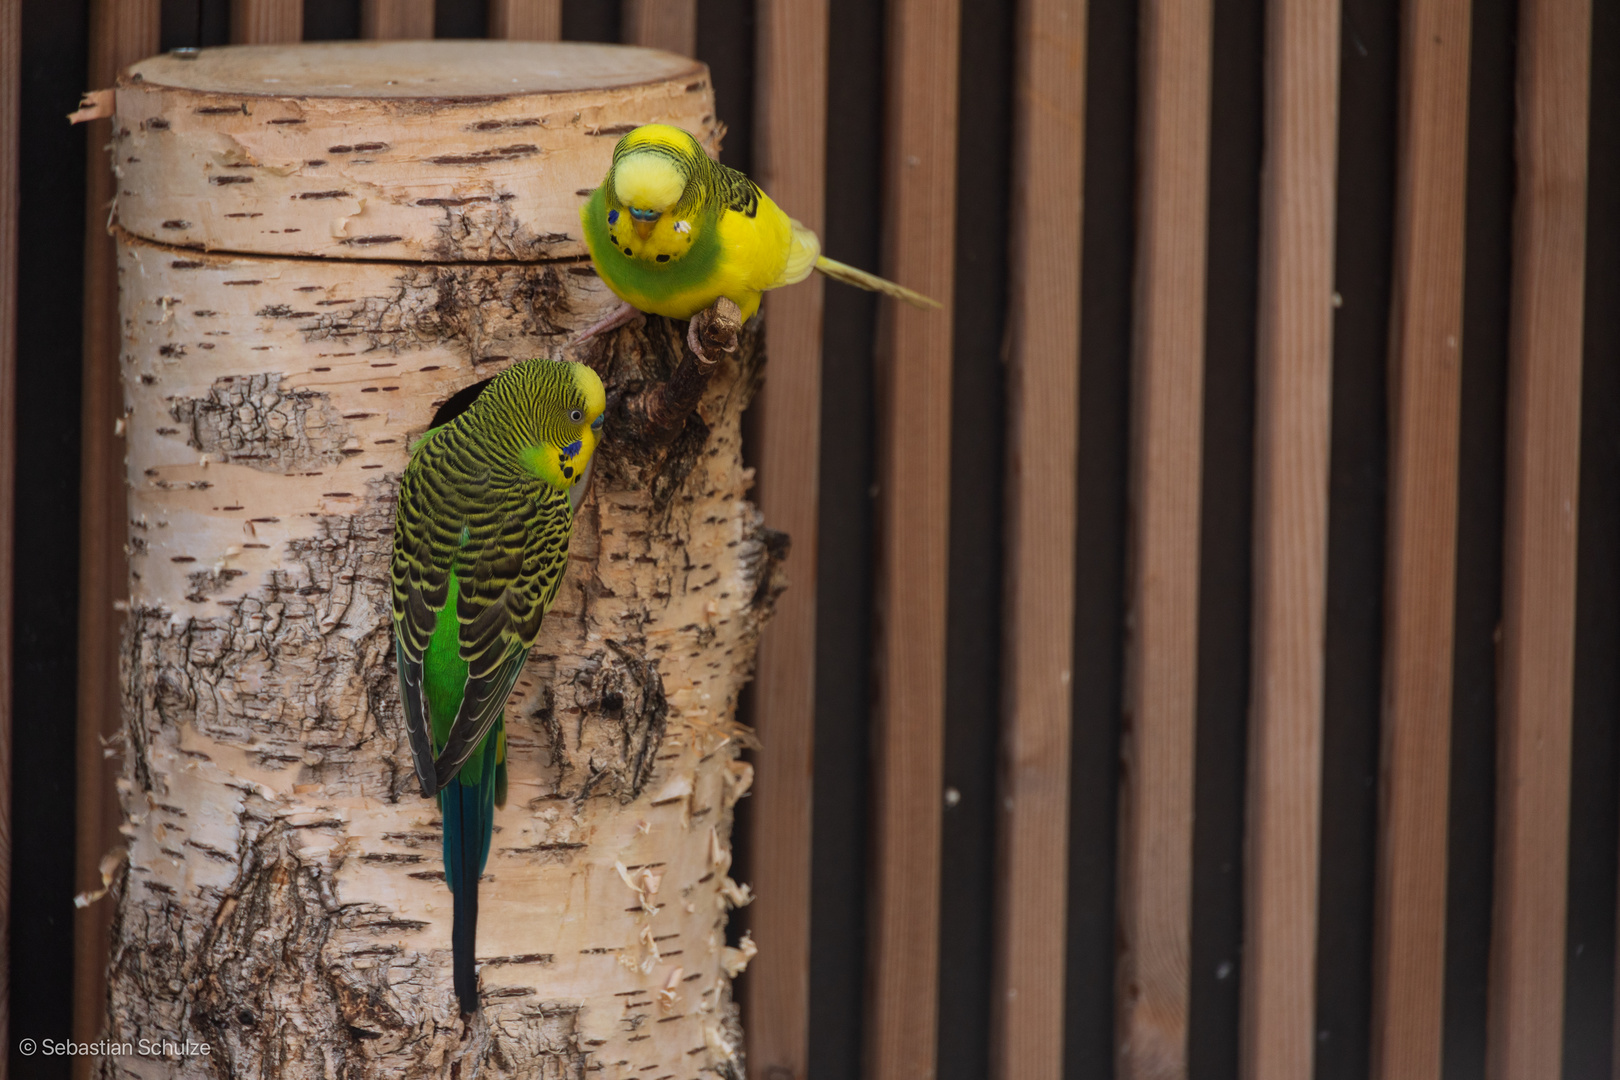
(671, 231)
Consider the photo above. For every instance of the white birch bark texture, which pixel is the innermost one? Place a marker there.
(283, 895)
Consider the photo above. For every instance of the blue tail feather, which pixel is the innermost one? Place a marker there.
(469, 819)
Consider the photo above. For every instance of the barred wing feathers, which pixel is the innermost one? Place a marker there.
(504, 537)
(736, 192)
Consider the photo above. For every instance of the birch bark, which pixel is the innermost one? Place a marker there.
(281, 897)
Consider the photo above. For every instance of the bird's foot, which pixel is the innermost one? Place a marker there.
(612, 321)
(716, 326)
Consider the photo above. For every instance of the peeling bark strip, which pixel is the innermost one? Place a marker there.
(441, 151)
(283, 898)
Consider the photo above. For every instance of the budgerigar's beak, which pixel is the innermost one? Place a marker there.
(644, 228)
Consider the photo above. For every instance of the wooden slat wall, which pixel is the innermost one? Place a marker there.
(121, 32)
(266, 22)
(1421, 567)
(1161, 680)
(670, 25)
(790, 153)
(914, 422)
(525, 20)
(1292, 410)
(10, 147)
(1043, 376)
(1043, 319)
(1543, 490)
(396, 19)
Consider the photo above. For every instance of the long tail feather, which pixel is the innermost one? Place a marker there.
(469, 818)
(872, 283)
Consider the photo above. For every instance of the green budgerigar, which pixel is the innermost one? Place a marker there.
(486, 508)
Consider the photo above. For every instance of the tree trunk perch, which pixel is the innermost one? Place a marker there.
(283, 898)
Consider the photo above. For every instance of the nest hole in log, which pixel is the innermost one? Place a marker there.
(460, 402)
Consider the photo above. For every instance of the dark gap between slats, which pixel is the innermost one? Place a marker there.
(460, 18)
(331, 20)
(1594, 815)
(1369, 74)
(1225, 555)
(590, 20)
(1471, 824)
(194, 23)
(844, 588)
(978, 494)
(725, 41)
(45, 581)
(1108, 258)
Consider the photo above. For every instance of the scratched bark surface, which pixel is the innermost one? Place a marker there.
(282, 895)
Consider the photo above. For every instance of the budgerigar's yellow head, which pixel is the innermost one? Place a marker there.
(652, 179)
(564, 405)
(648, 182)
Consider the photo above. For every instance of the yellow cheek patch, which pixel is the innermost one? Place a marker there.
(668, 240)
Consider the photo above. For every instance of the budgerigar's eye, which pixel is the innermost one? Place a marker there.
(575, 415)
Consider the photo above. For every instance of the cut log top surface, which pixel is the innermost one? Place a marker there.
(412, 69)
(446, 151)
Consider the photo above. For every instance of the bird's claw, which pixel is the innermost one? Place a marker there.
(718, 325)
(696, 344)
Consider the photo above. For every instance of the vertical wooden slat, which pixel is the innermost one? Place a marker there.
(1161, 689)
(1043, 358)
(388, 20)
(1293, 381)
(525, 20)
(914, 423)
(1539, 542)
(670, 25)
(10, 149)
(121, 32)
(790, 151)
(266, 22)
(1426, 376)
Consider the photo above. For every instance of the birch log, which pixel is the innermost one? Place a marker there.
(440, 150)
(283, 898)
